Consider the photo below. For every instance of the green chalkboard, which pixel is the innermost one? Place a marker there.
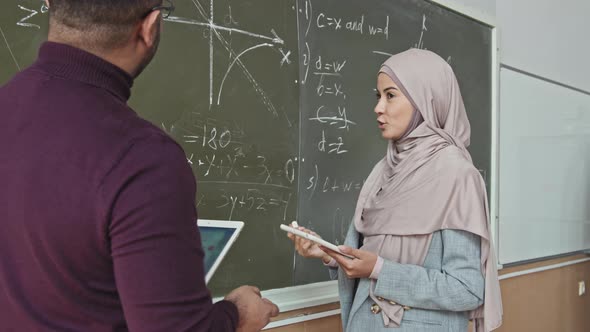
(272, 102)
(342, 44)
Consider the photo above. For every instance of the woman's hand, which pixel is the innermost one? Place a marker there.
(360, 267)
(307, 248)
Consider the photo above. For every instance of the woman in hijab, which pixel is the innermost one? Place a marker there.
(420, 237)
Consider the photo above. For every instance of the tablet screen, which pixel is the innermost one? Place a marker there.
(217, 236)
(213, 240)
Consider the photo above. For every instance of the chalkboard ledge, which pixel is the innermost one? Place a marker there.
(299, 297)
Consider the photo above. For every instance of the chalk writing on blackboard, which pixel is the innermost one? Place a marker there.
(215, 31)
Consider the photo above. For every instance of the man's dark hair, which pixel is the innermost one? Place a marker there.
(103, 23)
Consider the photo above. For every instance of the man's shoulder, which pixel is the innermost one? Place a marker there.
(97, 116)
(81, 121)
(130, 133)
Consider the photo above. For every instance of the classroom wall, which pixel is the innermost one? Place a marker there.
(547, 301)
(543, 44)
(484, 9)
(546, 38)
(546, 42)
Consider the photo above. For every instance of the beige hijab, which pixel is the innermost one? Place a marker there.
(427, 182)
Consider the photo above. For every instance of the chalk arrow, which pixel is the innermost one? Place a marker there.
(275, 39)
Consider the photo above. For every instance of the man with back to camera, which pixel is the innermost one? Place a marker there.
(97, 205)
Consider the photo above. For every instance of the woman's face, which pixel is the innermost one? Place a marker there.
(394, 110)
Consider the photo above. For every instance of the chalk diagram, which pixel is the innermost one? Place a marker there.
(216, 37)
(215, 33)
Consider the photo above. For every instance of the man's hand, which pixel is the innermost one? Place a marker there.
(360, 267)
(254, 311)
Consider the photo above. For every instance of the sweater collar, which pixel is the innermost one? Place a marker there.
(76, 64)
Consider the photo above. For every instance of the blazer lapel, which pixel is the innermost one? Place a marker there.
(362, 292)
(350, 302)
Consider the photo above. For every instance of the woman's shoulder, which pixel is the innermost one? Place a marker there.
(453, 163)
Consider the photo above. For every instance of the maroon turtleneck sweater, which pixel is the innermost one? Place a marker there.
(97, 214)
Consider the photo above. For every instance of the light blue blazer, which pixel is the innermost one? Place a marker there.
(440, 293)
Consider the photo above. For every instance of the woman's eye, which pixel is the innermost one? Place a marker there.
(390, 95)
(378, 96)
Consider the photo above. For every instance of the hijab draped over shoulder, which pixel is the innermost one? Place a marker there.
(427, 181)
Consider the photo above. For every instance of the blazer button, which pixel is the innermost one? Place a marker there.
(375, 308)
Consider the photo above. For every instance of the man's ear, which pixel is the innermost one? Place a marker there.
(148, 28)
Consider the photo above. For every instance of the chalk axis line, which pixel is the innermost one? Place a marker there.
(273, 41)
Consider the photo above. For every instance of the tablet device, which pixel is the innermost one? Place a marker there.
(314, 239)
(217, 236)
